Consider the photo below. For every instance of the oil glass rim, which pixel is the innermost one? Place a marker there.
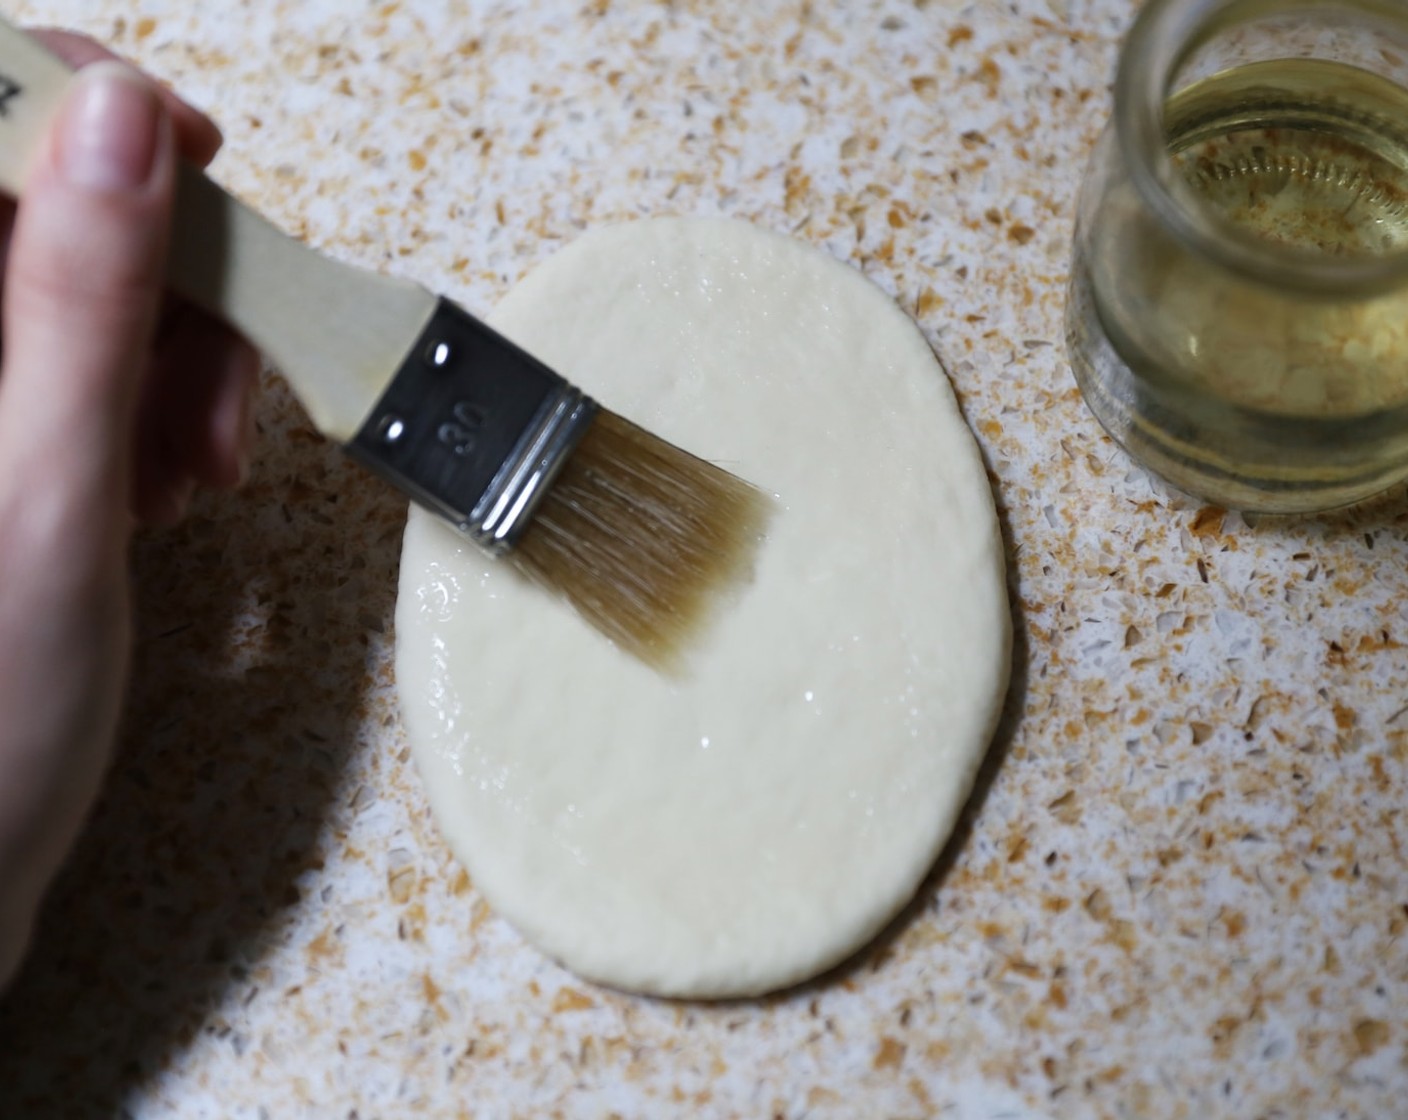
(1165, 34)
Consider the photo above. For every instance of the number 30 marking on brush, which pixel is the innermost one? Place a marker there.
(461, 433)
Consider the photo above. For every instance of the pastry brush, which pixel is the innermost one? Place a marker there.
(638, 535)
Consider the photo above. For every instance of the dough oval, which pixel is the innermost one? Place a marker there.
(754, 823)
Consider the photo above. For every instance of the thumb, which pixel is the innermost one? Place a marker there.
(83, 288)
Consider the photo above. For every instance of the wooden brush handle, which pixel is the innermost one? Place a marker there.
(337, 332)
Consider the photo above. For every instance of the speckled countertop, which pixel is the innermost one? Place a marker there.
(1180, 890)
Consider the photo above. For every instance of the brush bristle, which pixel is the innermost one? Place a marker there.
(642, 538)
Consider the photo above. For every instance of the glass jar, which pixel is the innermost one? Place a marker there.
(1238, 310)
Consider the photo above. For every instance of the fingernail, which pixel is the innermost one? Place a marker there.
(110, 129)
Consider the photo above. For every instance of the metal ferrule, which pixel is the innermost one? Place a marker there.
(473, 428)
(508, 504)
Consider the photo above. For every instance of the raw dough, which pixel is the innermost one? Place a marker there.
(757, 822)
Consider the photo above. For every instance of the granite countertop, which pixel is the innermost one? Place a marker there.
(1180, 889)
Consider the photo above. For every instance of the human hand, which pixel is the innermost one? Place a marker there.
(115, 403)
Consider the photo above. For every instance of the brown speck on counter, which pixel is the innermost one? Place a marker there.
(1370, 1035)
(1207, 521)
(889, 1054)
(1181, 888)
(570, 999)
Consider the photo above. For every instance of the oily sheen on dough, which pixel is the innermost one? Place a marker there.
(750, 825)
